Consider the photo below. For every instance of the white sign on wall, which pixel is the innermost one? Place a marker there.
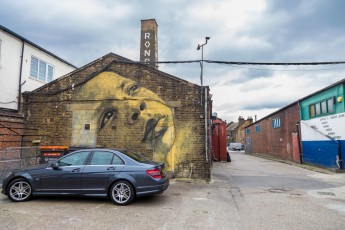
(319, 128)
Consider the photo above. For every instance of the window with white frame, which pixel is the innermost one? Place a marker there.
(41, 70)
(276, 123)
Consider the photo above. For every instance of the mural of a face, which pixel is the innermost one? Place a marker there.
(130, 115)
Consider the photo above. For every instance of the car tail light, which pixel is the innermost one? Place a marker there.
(154, 173)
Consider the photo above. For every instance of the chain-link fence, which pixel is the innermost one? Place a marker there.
(17, 158)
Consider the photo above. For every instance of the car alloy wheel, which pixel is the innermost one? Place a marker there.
(19, 190)
(122, 193)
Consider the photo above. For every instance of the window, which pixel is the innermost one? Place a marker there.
(312, 110)
(248, 131)
(41, 70)
(317, 109)
(257, 128)
(276, 123)
(330, 103)
(105, 158)
(102, 158)
(321, 108)
(74, 159)
(117, 160)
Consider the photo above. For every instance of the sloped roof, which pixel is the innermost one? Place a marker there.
(8, 31)
(299, 100)
(117, 59)
(232, 126)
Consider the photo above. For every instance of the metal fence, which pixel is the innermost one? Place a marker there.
(17, 158)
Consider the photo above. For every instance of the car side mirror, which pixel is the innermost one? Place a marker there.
(55, 165)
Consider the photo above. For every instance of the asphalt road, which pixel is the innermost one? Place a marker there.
(248, 193)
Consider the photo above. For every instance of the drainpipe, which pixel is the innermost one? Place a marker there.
(299, 133)
(20, 78)
(299, 143)
(206, 145)
(340, 160)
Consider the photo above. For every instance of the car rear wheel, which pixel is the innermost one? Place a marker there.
(122, 193)
(19, 190)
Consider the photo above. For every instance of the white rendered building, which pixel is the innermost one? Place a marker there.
(25, 66)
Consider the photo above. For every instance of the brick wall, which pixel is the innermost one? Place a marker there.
(11, 129)
(276, 142)
(111, 103)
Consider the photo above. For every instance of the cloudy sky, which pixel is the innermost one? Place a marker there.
(81, 31)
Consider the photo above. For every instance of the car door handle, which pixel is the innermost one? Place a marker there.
(76, 170)
(111, 168)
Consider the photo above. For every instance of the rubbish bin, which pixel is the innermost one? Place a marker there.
(52, 153)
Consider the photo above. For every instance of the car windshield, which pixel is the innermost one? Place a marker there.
(139, 157)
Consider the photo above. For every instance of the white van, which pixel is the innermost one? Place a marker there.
(235, 146)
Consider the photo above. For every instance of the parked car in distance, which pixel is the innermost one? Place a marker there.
(121, 176)
(235, 146)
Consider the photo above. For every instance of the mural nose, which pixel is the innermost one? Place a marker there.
(133, 116)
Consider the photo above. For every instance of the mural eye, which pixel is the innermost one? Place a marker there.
(132, 89)
(106, 116)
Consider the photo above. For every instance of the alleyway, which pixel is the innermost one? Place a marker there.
(274, 195)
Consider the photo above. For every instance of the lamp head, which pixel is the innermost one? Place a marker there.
(198, 48)
(207, 38)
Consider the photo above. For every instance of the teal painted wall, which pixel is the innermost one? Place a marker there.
(336, 91)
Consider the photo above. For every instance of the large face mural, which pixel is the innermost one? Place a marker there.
(126, 116)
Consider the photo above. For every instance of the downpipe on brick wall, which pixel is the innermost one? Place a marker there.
(206, 145)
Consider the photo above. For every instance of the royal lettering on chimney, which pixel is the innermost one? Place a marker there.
(149, 42)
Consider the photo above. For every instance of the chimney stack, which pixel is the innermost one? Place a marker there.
(149, 43)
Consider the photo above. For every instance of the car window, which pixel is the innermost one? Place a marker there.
(102, 158)
(117, 160)
(74, 159)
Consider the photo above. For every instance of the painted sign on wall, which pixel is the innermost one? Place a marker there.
(319, 128)
(322, 139)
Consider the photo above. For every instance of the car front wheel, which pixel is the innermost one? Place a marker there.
(122, 193)
(19, 190)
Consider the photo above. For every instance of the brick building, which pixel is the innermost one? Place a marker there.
(117, 103)
(235, 131)
(276, 134)
(11, 129)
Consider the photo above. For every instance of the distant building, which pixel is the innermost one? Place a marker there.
(25, 66)
(310, 130)
(235, 131)
(275, 134)
(323, 126)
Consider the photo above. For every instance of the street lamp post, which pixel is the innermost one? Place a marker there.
(202, 59)
(201, 94)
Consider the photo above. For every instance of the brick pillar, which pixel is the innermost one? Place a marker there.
(149, 42)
